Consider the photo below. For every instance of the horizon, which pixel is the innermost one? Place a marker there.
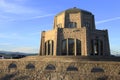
(22, 21)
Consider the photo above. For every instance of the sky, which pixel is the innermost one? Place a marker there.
(21, 21)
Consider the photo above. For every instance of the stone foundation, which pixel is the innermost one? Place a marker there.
(59, 68)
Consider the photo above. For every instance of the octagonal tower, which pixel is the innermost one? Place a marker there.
(74, 34)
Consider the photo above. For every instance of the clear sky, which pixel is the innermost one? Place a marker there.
(21, 21)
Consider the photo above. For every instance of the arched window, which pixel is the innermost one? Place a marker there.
(50, 67)
(72, 68)
(30, 66)
(97, 69)
(12, 65)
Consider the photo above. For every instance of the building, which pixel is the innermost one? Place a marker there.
(74, 33)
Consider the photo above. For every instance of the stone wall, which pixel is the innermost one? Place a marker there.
(60, 68)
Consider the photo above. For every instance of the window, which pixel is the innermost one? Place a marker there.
(50, 67)
(72, 68)
(87, 24)
(49, 47)
(12, 65)
(64, 47)
(92, 47)
(78, 47)
(45, 48)
(72, 24)
(71, 47)
(52, 43)
(97, 69)
(30, 66)
(96, 47)
(101, 47)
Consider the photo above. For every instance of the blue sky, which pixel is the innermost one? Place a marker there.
(21, 21)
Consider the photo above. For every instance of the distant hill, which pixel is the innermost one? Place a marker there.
(9, 54)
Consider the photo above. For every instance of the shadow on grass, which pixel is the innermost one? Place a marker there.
(9, 76)
(13, 76)
(103, 78)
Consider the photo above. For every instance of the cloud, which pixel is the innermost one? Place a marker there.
(42, 16)
(31, 18)
(12, 36)
(107, 20)
(5, 44)
(26, 18)
(14, 7)
(17, 10)
(25, 49)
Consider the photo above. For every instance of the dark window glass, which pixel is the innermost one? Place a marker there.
(92, 47)
(72, 68)
(78, 47)
(96, 47)
(12, 65)
(64, 47)
(86, 24)
(101, 47)
(45, 49)
(71, 47)
(97, 69)
(52, 47)
(30, 66)
(50, 67)
(48, 47)
(72, 24)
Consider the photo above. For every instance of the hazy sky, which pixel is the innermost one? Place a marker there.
(21, 21)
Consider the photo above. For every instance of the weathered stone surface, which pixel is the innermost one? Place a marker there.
(74, 33)
(103, 70)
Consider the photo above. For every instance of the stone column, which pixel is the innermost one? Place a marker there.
(51, 47)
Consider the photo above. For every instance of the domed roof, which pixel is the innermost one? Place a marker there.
(73, 10)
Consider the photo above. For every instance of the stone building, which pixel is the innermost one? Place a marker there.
(74, 33)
